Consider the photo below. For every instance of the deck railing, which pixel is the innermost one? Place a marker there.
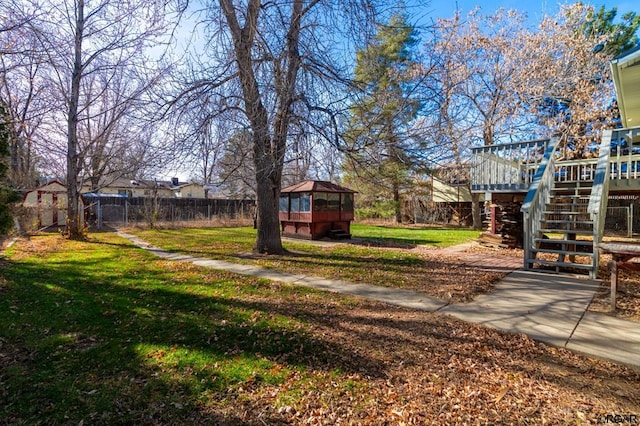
(511, 167)
(537, 197)
(583, 170)
(600, 196)
(506, 167)
(625, 157)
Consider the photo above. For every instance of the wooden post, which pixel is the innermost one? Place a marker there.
(494, 221)
(613, 266)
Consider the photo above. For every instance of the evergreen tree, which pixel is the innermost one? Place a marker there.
(615, 37)
(7, 196)
(378, 130)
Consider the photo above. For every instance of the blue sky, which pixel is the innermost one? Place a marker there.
(425, 11)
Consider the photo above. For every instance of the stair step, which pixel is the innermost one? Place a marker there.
(567, 205)
(571, 222)
(563, 241)
(582, 189)
(565, 212)
(573, 184)
(571, 212)
(565, 252)
(570, 193)
(560, 264)
(567, 231)
(339, 234)
(571, 199)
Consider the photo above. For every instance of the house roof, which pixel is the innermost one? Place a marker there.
(50, 183)
(126, 183)
(316, 186)
(626, 77)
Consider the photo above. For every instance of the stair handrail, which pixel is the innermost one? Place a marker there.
(537, 197)
(600, 195)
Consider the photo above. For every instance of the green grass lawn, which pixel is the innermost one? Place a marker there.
(102, 332)
(438, 237)
(382, 256)
(233, 240)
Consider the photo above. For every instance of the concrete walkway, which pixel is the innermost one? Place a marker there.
(547, 307)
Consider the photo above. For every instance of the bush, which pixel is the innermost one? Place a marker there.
(379, 210)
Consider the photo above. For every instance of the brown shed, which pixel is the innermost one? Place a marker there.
(315, 209)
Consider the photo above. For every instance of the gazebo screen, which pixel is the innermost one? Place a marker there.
(295, 202)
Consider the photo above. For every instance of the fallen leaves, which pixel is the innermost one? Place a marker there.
(278, 354)
(415, 368)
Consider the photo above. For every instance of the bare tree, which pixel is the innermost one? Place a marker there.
(567, 85)
(202, 134)
(25, 109)
(113, 141)
(475, 70)
(98, 70)
(21, 94)
(236, 174)
(263, 59)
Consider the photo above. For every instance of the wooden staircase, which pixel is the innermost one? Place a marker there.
(564, 212)
(564, 242)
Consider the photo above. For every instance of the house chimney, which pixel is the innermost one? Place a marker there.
(174, 181)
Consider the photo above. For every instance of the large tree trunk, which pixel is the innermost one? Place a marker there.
(74, 224)
(268, 223)
(269, 150)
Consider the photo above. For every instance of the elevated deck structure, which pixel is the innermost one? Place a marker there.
(566, 200)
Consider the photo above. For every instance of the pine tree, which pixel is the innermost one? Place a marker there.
(378, 130)
(615, 37)
(7, 196)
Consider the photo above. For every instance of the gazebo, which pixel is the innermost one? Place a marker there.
(316, 209)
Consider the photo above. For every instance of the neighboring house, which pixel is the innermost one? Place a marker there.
(50, 200)
(448, 200)
(189, 190)
(147, 188)
(444, 192)
(565, 201)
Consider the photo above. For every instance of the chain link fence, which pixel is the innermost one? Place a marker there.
(622, 216)
(102, 212)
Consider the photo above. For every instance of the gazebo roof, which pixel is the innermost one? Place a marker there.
(626, 77)
(316, 186)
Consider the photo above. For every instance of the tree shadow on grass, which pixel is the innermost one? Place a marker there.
(151, 348)
(124, 350)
